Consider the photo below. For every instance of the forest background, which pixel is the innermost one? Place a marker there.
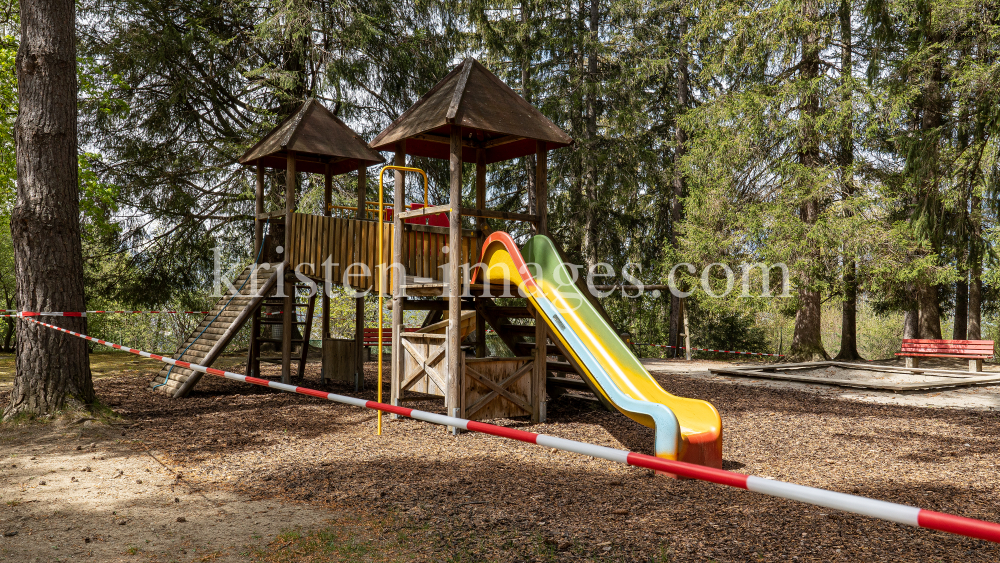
(853, 141)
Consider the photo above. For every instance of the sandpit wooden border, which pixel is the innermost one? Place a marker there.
(949, 378)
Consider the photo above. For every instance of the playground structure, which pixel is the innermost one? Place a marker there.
(555, 326)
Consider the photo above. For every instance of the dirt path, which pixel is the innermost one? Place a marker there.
(79, 493)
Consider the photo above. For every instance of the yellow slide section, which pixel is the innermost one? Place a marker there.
(686, 429)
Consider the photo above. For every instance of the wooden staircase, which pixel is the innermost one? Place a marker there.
(207, 342)
(261, 319)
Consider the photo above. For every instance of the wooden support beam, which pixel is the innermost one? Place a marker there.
(325, 303)
(258, 227)
(429, 305)
(456, 97)
(262, 216)
(436, 230)
(258, 242)
(444, 140)
(424, 211)
(538, 375)
(306, 333)
(359, 303)
(396, 367)
(568, 383)
(506, 139)
(452, 398)
(481, 226)
(471, 143)
(289, 310)
(490, 214)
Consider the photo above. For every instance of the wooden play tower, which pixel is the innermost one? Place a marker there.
(470, 116)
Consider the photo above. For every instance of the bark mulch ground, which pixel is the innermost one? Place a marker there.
(476, 497)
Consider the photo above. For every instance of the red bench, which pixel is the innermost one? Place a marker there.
(973, 350)
(371, 336)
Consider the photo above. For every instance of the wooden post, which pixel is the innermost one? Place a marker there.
(398, 200)
(253, 352)
(480, 226)
(541, 330)
(454, 285)
(325, 307)
(258, 224)
(359, 303)
(288, 311)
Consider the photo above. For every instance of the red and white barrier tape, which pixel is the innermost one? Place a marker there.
(711, 350)
(85, 313)
(893, 512)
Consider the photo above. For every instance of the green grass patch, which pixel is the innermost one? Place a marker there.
(392, 539)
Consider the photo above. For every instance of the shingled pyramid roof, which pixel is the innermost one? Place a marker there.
(317, 137)
(491, 114)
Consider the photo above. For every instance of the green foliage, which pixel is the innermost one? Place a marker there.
(885, 127)
(8, 101)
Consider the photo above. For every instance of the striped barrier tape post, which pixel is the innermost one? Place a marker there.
(711, 350)
(883, 510)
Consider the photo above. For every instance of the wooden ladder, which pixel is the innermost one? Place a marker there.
(261, 319)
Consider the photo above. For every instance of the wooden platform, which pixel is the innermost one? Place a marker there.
(786, 372)
(414, 288)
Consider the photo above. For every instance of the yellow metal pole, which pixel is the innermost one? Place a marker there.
(381, 266)
(381, 271)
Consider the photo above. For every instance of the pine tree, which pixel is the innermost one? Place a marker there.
(53, 369)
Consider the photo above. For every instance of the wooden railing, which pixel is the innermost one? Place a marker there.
(354, 241)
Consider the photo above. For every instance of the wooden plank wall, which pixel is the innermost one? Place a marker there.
(349, 241)
(430, 353)
(480, 402)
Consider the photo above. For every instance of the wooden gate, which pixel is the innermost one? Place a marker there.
(496, 387)
(425, 364)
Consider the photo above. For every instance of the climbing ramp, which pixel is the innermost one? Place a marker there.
(207, 342)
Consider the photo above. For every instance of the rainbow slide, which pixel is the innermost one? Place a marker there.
(686, 429)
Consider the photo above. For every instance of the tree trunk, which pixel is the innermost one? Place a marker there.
(849, 310)
(927, 294)
(589, 166)
(960, 331)
(849, 316)
(678, 187)
(975, 301)
(911, 325)
(53, 370)
(807, 342)
(929, 317)
(529, 161)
